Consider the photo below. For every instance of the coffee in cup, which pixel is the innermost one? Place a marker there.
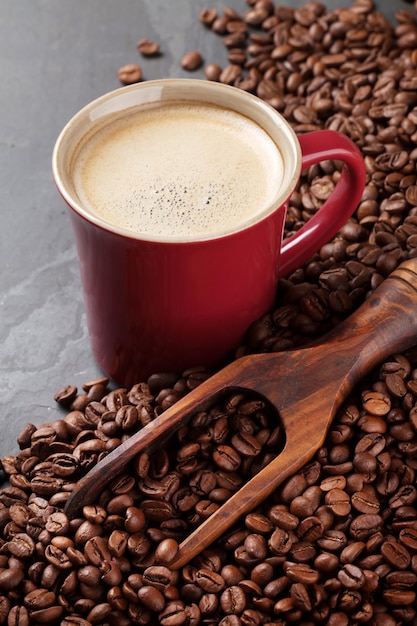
(178, 170)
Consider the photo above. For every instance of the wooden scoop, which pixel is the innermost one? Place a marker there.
(306, 386)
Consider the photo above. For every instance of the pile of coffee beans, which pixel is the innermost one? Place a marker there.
(336, 544)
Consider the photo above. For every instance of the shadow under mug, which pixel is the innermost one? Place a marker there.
(164, 306)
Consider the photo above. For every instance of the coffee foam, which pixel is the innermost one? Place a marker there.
(181, 170)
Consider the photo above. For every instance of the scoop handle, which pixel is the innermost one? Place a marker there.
(385, 324)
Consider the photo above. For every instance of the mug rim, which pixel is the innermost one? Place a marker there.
(124, 98)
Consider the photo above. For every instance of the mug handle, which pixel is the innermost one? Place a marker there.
(316, 146)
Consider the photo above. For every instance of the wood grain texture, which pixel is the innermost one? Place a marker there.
(306, 386)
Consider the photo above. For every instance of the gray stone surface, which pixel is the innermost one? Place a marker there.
(56, 56)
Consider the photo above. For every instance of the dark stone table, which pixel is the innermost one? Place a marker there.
(56, 56)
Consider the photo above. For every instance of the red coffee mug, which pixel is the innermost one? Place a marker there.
(165, 305)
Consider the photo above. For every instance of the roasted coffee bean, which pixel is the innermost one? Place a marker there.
(333, 482)
(21, 544)
(129, 74)
(117, 542)
(365, 525)
(338, 501)
(57, 557)
(326, 562)
(233, 600)
(281, 516)
(231, 73)
(166, 551)
(174, 614)
(352, 552)
(127, 418)
(246, 444)
(212, 71)
(408, 537)
(10, 578)
(66, 395)
(332, 540)
(209, 581)
(398, 597)
(5, 606)
(226, 458)
(96, 550)
(293, 487)
(396, 554)
(57, 523)
(18, 616)
(406, 495)
(157, 576)
(94, 513)
(152, 598)
(148, 48)
(351, 576)
(302, 573)
(302, 506)
(11, 495)
(157, 510)
(387, 483)
(310, 529)
(134, 519)
(280, 542)
(365, 501)
(256, 546)
(256, 522)
(207, 16)
(191, 61)
(372, 443)
(63, 464)
(302, 551)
